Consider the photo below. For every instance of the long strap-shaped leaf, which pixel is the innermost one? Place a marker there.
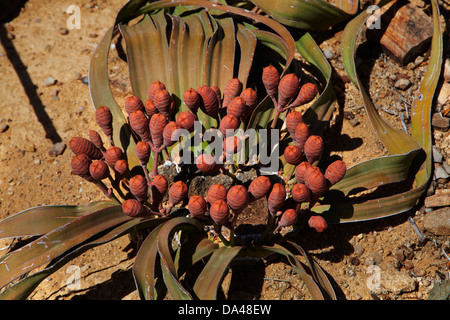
(396, 142)
(308, 15)
(144, 266)
(55, 243)
(210, 278)
(40, 220)
(24, 287)
(170, 272)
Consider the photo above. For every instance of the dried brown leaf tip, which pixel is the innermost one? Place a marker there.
(336, 171)
(287, 89)
(210, 105)
(237, 198)
(197, 206)
(219, 212)
(139, 188)
(271, 80)
(232, 89)
(206, 164)
(80, 145)
(318, 223)
(260, 187)
(134, 209)
(133, 103)
(216, 192)
(293, 155)
(103, 117)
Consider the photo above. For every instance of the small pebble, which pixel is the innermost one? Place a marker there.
(85, 80)
(437, 156)
(402, 84)
(63, 31)
(49, 81)
(57, 149)
(3, 127)
(328, 53)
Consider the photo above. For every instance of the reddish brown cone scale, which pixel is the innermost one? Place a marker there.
(139, 187)
(80, 145)
(112, 155)
(306, 94)
(197, 206)
(300, 171)
(192, 99)
(139, 123)
(133, 208)
(143, 152)
(300, 193)
(210, 104)
(103, 117)
(292, 120)
(335, 172)
(157, 125)
(133, 103)
(313, 148)
(276, 198)
(162, 100)
(216, 192)
(186, 120)
(178, 192)
(315, 180)
(287, 89)
(288, 218)
(228, 125)
(260, 187)
(237, 198)
(293, 155)
(219, 212)
(318, 223)
(301, 134)
(99, 170)
(154, 86)
(206, 163)
(232, 89)
(271, 80)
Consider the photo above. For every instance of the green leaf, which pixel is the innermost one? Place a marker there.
(317, 15)
(57, 242)
(169, 270)
(40, 220)
(25, 286)
(144, 266)
(408, 149)
(211, 277)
